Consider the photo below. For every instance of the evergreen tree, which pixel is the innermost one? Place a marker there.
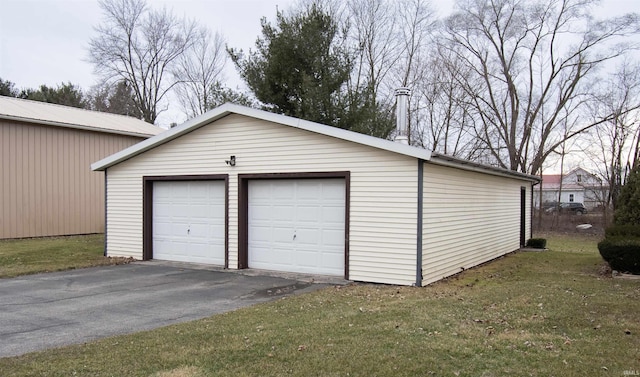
(299, 67)
(8, 89)
(64, 94)
(115, 99)
(628, 204)
(220, 95)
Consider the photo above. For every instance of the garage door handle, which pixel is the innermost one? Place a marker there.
(188, 231)
(294, 236)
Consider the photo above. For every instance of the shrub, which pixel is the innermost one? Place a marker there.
(628, 231)
(537, 243)
(622, 254)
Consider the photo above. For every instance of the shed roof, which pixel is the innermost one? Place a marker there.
(65, 116)
(228, 108)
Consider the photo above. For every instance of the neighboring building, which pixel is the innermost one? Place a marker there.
(47, 187)
(243, 188)
(578, 186)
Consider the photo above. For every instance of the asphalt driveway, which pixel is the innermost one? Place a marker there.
(56, 309)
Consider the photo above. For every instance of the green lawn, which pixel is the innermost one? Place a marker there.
(30, 256)
(527, 314)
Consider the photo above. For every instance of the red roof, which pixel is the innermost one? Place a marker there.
(551, 178)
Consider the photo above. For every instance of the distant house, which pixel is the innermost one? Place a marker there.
(577, 186)
(47, 187)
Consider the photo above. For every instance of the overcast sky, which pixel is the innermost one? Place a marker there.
(45, 41)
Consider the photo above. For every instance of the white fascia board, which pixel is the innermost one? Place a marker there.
(229, 108)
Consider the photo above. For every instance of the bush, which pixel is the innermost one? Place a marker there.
(622, 254)
(628, 204)
(628, 231)
(537, 243)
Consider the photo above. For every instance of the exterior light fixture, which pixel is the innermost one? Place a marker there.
(231, 161)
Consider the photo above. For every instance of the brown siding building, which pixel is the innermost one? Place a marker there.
(46, 185)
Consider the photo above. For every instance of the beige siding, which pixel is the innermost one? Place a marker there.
(469, 218)
(47, 187)
(383, 185)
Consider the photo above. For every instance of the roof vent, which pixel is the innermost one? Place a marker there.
(402, 98)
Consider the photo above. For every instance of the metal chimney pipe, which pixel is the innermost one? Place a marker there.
(402, 99)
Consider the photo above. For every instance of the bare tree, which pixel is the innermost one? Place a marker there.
(140, 46)
(199, 71)
(532, 65)
(443, 122)
(417, 22)
(374, 25)
(391, 40)
(613, 145)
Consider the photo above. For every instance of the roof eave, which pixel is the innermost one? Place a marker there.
(446, 160)
(73, 126)
(156, 140)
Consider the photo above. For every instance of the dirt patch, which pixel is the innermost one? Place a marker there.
(120, 260)
(604, 270)
(185, 371)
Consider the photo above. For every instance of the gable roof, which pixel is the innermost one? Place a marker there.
(589, 180)
(552, 179)
(71, 117)
(229, 108)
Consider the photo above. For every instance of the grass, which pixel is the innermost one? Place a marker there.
(527, 314)
(35, 255)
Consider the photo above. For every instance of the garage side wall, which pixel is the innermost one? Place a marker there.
(383, 188)
(469, 218)
(47, 187)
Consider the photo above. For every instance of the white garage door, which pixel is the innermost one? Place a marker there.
(297, 225)
(188, 221)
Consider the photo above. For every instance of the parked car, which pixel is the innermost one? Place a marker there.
(549, 206)
(572, 208)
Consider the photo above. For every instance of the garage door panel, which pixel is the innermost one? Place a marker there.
(309, 214)
(199, 230)
(173, 231)
(283, 213)
(271, 254)
(307, 236)
(200, 211)
(282, 235)
(199, 190)
(162, 193)
(280, 190)
(335, 238)
(260, 234)
(333, 192)
(297, 225)
(333, 214)
(188, 221)
(307, 258)
(161, 211)
(217, 232)
(309, 190)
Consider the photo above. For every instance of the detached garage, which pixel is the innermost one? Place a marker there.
(243, 188)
